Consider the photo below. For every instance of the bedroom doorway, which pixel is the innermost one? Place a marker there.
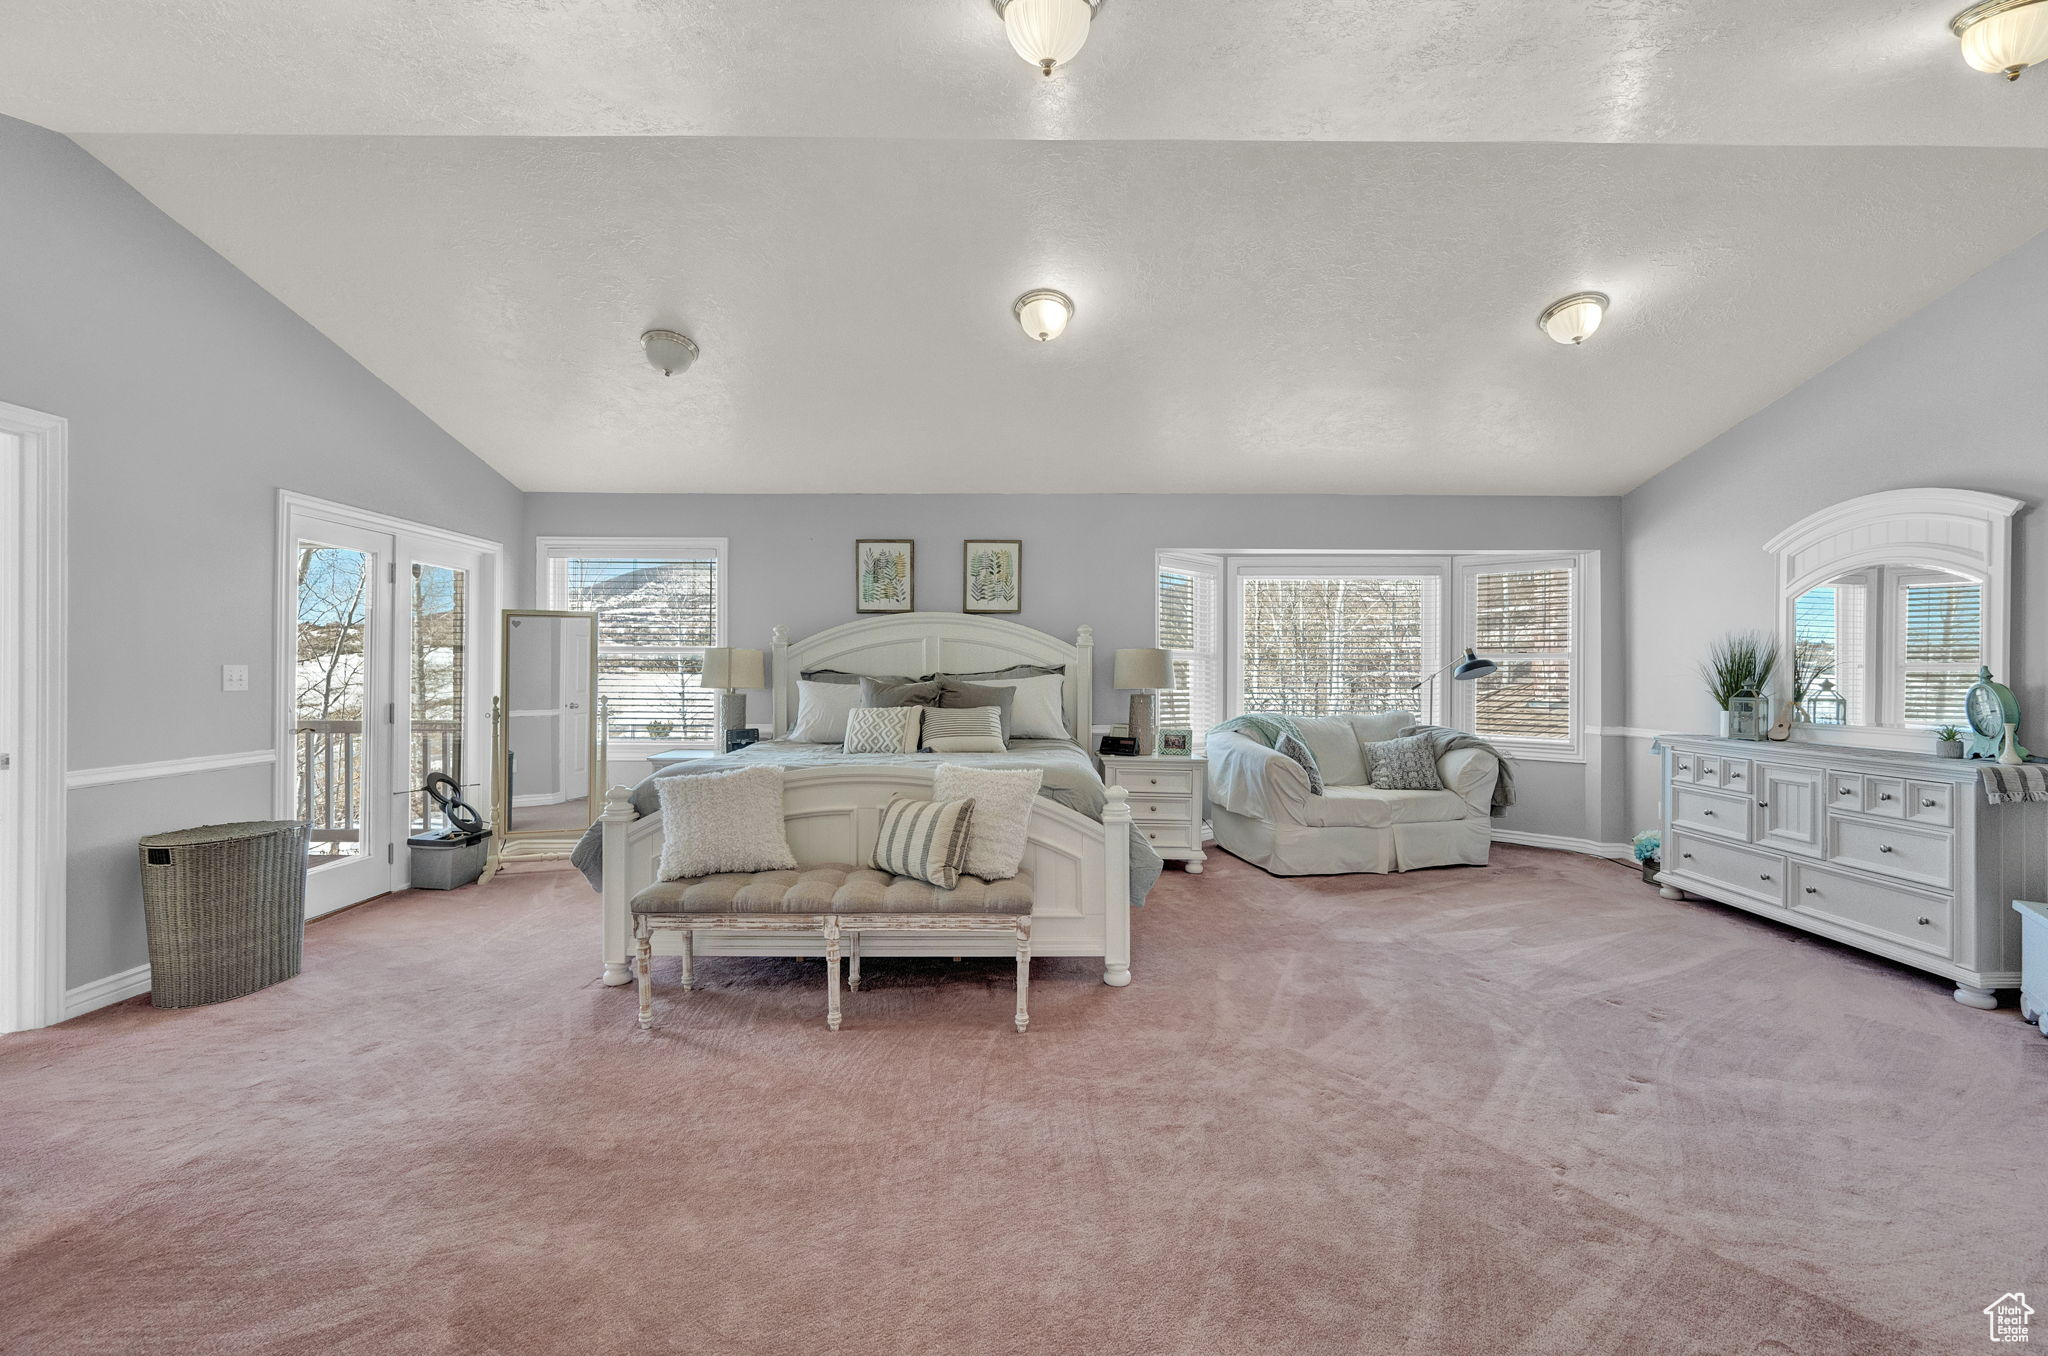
(386, 677)
(31, 718)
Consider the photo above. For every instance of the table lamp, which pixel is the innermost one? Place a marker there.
(734, 673)
(1142, 673)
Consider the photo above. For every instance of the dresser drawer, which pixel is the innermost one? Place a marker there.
(1744, 871)
(1891, 850)
(1735, 773)
(1918, 920)
(1930, 803)
(1845, 790)
(1711, 812)
(1884, 796)
(1174, 835)
(1155, 781)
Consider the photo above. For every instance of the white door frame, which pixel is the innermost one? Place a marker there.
(485, 602)
(32, 732)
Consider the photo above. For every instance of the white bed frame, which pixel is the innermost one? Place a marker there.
(1080, 869)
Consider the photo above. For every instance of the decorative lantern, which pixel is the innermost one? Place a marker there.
(1827, 706)
(1749, 716)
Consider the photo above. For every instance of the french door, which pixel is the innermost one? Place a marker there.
(387, 677)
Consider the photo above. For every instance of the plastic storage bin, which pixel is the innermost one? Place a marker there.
(446, 861)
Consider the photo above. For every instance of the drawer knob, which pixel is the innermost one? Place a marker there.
(1926, 922)
(1151, 835)
(1685, 767)
(1845, 791)
(1708, 813)
(1813, 889)
(1765, 876)
(1763, 805)
(1884, 847)
(1884, 795)
(1735, 776)
(1155, 781)
(1928, 804)
(1686, 855)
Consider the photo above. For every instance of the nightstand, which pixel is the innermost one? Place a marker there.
(1167, 800)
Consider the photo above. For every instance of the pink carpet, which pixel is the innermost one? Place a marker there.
(1533, 1108)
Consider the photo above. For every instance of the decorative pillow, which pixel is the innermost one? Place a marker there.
(723, 821)
(954, 694)
(1335, 746)
(1037, 706)
(883, 729)
(1002, 814)
(1406, 764)
(966, 744)
(1014, 671)
(821, 711)
(891, 692)
(1289, 747)
(925, 840)
(842, 677)
(976, 722)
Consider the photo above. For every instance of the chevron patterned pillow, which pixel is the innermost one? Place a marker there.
(925, 840)
(882, 729)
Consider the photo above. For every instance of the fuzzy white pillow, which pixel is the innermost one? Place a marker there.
(883, 729)
(1002, 798)
(821, 711)
(723, 822)
(1037, 705)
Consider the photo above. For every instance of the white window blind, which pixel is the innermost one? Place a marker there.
(1189, 623)
(1315, 645)
(1522, 619)
(1941, 646)
(658, 610)
(1831, 636)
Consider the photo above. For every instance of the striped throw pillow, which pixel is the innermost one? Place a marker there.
(882, 729)
(925, 840)
(980, 723)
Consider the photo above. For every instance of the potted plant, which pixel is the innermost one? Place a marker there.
(1948, 742)
(660, 729)
(1738, 663)
(1647, 845)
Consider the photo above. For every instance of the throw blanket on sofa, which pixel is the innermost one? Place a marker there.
(1443, 740)
(1282, 736)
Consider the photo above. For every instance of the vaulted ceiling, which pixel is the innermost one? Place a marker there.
(1307, 240)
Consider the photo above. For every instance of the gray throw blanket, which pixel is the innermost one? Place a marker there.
(1283, 737)
(2005, 785)
(1444, 740)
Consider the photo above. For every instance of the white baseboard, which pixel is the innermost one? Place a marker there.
(101, 993)
(1620, 852)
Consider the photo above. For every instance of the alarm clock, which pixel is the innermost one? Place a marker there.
(1993, 711)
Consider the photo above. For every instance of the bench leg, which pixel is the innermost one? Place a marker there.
(1023, 973)
(645, 935)
(689, 958)
(832, 974)
(853, 961)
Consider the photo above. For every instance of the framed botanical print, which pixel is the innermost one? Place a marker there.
(994, 576)
(882, 579)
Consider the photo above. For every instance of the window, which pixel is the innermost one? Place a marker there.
(1315, 644)
(1524, 618)
(1188, 630)
(1830, 634)
(1939, 646)
(660, 605)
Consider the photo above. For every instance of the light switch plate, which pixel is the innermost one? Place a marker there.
(234, 677)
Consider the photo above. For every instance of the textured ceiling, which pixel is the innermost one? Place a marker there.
(1336, 317)
(1713, 72)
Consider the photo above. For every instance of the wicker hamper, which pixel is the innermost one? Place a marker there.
(226, 908)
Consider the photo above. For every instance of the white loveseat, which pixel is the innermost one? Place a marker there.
(1261, 809)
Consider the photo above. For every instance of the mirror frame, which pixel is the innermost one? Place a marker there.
(1964, 532)
(531, 844)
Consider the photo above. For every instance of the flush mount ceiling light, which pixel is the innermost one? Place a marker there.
(1046, 33)
(668, 352)
(1572, 319)
(1044, 314)
(2003, 36)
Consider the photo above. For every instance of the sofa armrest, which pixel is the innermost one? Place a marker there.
(1471, 774)
(1247, 778)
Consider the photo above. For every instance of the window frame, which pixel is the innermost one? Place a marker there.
(548, 550)
(1211, 661)
(1438, 568)
(1465, 702)
(1888, 652)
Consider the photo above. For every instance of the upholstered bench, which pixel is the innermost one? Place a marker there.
(834, 901)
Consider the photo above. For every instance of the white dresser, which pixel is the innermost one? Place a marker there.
(1167, 800)
(1894, 853)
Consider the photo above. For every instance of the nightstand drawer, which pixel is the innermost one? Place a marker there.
(1150, 806)
(1153, 781)
(1176, 835)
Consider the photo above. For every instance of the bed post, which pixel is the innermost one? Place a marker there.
(618, 817)
(785, 684)
(1084, 691)
(1116, 909)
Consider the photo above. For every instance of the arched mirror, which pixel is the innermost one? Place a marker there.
(1889, 606)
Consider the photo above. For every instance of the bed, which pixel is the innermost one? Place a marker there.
(1089, 868)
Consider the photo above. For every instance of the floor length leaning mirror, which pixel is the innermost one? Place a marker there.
(549, 759)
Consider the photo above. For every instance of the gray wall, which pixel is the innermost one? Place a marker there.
(193, 396)
(1089, 559)
(1955, 396)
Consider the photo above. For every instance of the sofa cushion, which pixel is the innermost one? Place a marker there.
(1379, 726)
(1366, 807)
(831, 888)
(1330, 739)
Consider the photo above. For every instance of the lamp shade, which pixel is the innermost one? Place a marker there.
(1144, 670)
(1472, 666)
(1047, 33)
(668, 352)
(735, 670)
(1044, 314)
(1573, 319)
(2003, 37)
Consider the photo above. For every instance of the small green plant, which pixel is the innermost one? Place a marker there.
(660, 729)
(1647, 845)
(1949, 734)
(1739, 663)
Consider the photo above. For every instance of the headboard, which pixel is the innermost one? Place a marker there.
(935, 642)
